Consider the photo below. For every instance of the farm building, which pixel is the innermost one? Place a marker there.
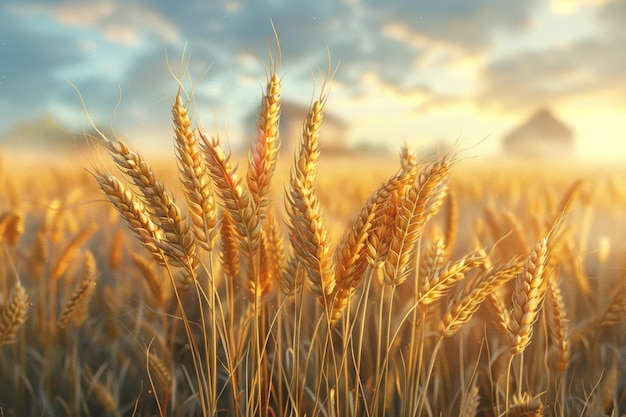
(332, 136)
(542, 135)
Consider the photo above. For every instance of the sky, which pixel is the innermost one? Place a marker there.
(419, 71)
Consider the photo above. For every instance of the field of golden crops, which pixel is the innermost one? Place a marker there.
(318, 286)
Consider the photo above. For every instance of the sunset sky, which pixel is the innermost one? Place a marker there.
(417, 71)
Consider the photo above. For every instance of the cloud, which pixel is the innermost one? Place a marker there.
(558, 74)
(467, 25)
(31, 69)
(119, 22)
(410, 47)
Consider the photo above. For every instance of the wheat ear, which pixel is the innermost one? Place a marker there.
(421, 201)
(470, 401)
(446, 277)
(157, 286)
(386, 198)
(11, 227)
(558, 328)
(463, 308)
(528, 297)
(67, 254)
(178, 241)
(351, 262)
(134, 213)
(229, 246)
(272, 261)
(525, 406)
(13, 314)
(612, 314)
(233, 197)
(76, 306)
(194, 179)
(307, 227)
(452, 220)
(264, 151)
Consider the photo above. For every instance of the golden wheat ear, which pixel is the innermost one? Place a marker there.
(11, 227)
(528, 297)
(421, 201)
(307, 226)
(132, 209)
(463, 307)
(351, 262)
(264, 150)
(195, 181)
(233, 197)
(13, 314)
(76, 307)
(178, 242)
(559, 352)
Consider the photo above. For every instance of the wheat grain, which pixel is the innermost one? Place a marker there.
(157, 286)
(612, 314)
(272, 262)
(387, 200)
(500, 311)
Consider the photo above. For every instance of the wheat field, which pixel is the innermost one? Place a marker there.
(302, 285)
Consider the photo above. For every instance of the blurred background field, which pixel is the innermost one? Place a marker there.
(502, 204)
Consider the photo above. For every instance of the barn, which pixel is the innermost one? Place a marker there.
(542, 135)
